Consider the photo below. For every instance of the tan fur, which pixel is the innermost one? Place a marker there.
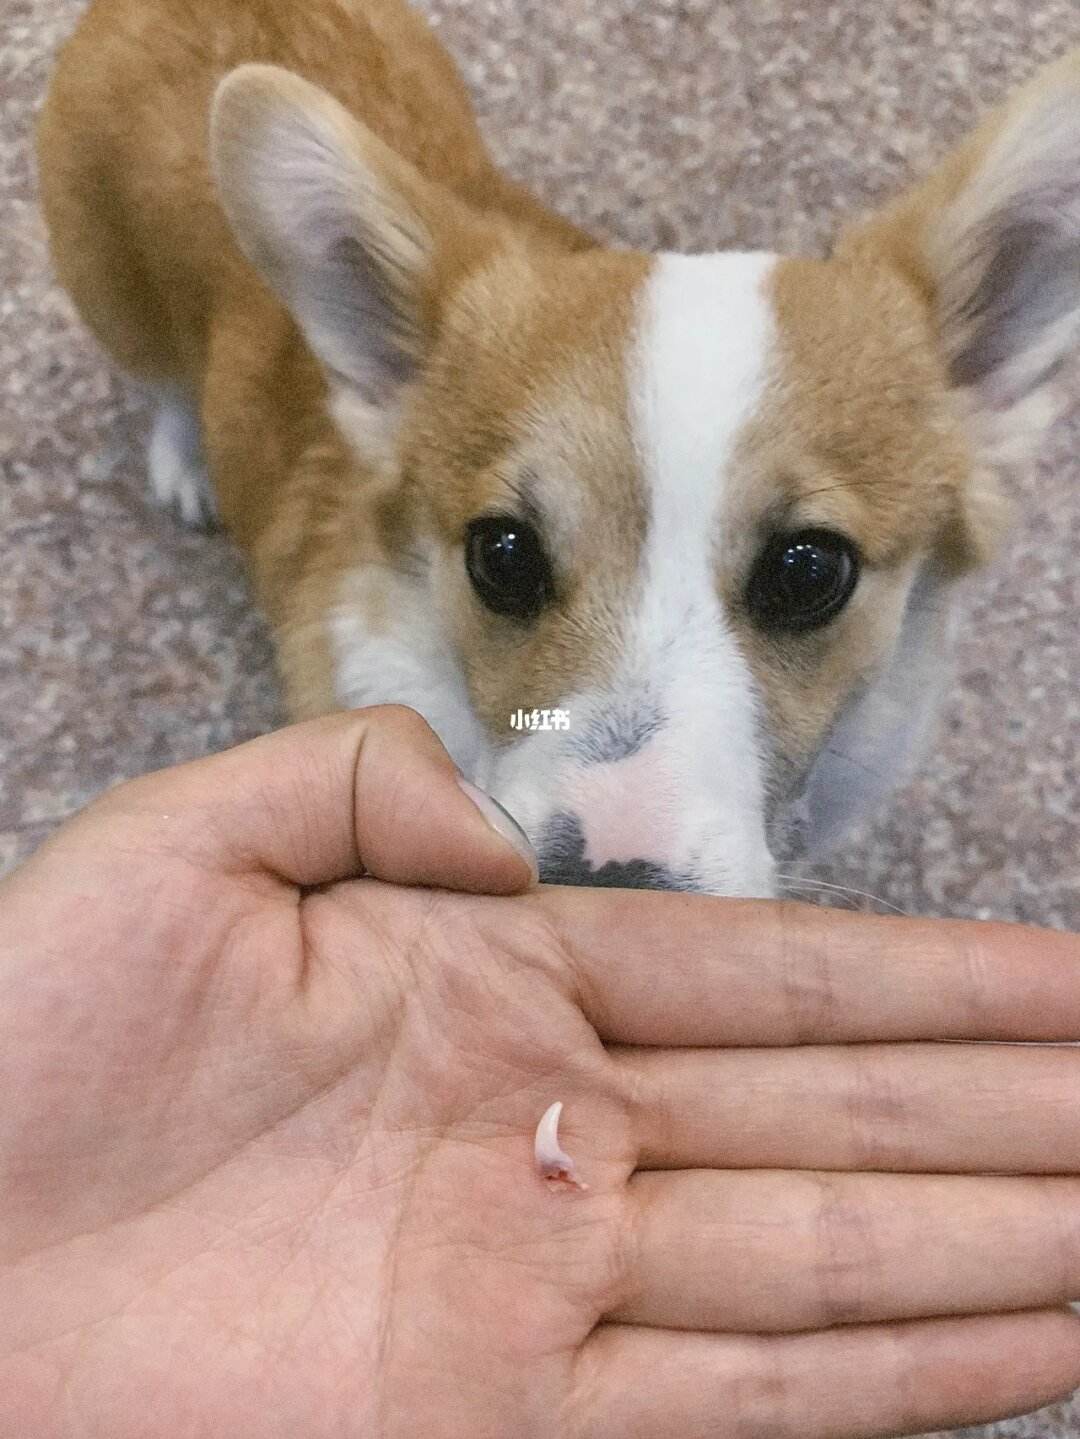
(861, 435)
(549, 397)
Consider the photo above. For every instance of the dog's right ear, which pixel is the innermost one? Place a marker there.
(992, 242)
(354, 240)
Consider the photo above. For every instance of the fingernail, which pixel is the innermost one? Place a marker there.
(504, 824)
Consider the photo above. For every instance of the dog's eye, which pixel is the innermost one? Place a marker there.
(802, 580)
(507, 566)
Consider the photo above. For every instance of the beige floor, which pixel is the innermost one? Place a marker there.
(126, 643)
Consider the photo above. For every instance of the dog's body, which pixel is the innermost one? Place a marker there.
(711, 507)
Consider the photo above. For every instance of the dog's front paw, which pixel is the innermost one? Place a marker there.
(179, 481)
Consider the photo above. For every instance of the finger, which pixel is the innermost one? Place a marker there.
(927, 1108)
(845, 1384)
(766, 1251)
(369, 791)
(682, 969)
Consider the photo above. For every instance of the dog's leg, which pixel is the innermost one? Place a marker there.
(178, 477)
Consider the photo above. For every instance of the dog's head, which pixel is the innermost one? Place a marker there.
(707, 512)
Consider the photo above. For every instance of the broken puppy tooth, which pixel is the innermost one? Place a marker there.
(553, 1163)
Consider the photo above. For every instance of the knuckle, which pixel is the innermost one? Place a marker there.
(807, 974)
(766, 1401)
(625, 1280)
(876, 1111)
(846, 1263)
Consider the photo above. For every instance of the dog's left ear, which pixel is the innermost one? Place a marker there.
(992, 241)
(358, 244)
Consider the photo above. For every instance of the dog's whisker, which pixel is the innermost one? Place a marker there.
(793, 882)
(806, 893)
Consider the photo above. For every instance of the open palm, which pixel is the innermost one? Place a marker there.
(266, 1165)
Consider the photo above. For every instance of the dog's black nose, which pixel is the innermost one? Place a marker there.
(562, 861)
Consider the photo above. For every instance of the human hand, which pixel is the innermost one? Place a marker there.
(266, 1161)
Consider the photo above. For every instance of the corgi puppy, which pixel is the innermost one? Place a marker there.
(707, 512)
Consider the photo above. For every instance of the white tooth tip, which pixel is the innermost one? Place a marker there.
(553, 1163)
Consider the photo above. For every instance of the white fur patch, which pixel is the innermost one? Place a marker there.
(702, 363)
(178, 478)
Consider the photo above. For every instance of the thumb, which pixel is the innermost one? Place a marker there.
(367, 792)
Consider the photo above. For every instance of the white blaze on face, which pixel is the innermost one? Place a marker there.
(701, 374)
(697, 377)
(663, 770)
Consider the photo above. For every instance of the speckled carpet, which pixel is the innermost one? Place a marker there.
(127, 643)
